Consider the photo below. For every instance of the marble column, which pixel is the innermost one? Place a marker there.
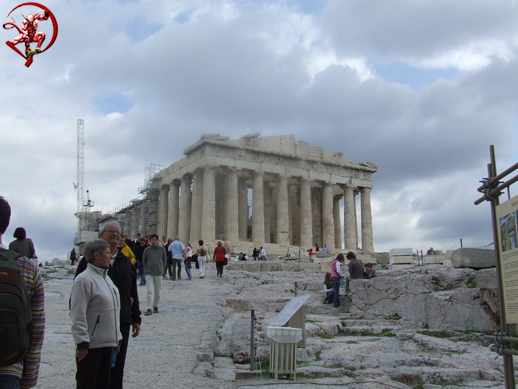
(153, 211)
(338, 224)
(184, 223)
(356, 221)
(122, 222)
(162, 211)
(328, 222)
(267, 199)
(242, 199)
(367, 239)
(174, 198)
(136, 222)
(208, 223)
(283, 217)
(128, 228)
(306, 221)
(258, 209)
(232, 214)
(196, 205)
(143, 223)
(349, 229)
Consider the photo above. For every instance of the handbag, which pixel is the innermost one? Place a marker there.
(342, 282)
(225, 262)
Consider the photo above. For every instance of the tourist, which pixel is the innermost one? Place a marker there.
(355, 271)
(369, 271)
(262, 252)
(328, 289)
(129, 242)
(325, 249)
(188, 259)
(242, 257)
(219, 257)
(22, 245)
(163, 242)
(336, 276)
(177, 249)
(201, 252)
(255, 253)
(24, 374)
(139, 251)
(154, 259)
(124, 248)
(96, 340)
(317, 249)
(169, 262)
(73, 256)
(124, 276)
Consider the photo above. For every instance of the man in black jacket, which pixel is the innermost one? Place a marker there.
(124, 276)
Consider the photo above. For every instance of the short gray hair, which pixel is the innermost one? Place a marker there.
(104, 225)
(97, 246)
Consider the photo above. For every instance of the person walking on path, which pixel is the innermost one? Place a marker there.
(95, 314)
(255, 253)
(336, 276)
(188, 261)
(154, 260)
(73, 256)
(355, 271)
(124, 276)
(177, 249)
(140, 246)
(24, 374)
(262, 252)
(124, 248)
(22, 245)
(201, 252)
(219, 257)
(169, 261)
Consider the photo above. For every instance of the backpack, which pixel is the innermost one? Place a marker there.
(15, 311)
(203, 253)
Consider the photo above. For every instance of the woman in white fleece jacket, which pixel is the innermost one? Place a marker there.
(95, 311)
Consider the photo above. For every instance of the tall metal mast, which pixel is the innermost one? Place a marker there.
(79, 186)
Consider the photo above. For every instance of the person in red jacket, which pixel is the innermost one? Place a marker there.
(219, 257)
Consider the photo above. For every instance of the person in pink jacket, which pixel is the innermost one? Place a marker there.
(336, 275)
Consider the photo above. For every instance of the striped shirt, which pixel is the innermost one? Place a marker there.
(34, 285)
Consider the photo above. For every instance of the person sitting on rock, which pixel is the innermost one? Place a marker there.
(369, 272)
(328, 289)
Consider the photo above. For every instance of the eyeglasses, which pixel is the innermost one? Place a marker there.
(113, 232)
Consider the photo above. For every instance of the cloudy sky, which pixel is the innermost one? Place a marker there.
(421, 88)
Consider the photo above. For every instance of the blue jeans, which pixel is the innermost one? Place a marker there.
(336, 288)
(142, 272)
(9, 382)
(188, 271)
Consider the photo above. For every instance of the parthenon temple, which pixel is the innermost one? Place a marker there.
(296, 192)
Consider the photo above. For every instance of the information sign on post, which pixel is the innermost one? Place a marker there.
(507, 214)
(292, 315)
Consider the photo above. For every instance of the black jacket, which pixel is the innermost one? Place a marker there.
(124, 276)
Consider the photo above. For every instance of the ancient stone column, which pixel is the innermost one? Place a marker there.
(232, 214)
(338, 224)
(355, 221)
(258, 209)
(328, 222)
(184, 224)
(162, 213)
(121, 218)
(128, 228)
(306, 221)
(153, 211)
(196, 205)
(349, 229)
(143, 224)
(242, 199)
(208, 223)
(367, 239)
(283, 217)
(267, 199)
(136, 222)
(174, 198)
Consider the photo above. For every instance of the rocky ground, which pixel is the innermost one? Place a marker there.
(404, 329)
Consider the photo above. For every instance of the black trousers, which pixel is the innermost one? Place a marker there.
(219, 267)
(117, 373)
(94, 370)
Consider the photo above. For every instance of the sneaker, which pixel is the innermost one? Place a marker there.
(348, 293)
(148, 312)
(164, 277)
(142, 283)
(190, 278)
(155, 310)
(173, 279)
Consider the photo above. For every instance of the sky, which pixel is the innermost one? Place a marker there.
(420, 88)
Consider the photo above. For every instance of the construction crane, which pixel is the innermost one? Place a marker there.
(85, 220)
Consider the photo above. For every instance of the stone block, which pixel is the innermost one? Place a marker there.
(269, 266)
(367, 258)
(473, 258)
(401, 266)
(382, 258)
(326, 266)
(434, 259)
(394, 252)
(401, 259)
(251, 266)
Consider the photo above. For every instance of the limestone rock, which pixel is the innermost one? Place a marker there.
(473, 258)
